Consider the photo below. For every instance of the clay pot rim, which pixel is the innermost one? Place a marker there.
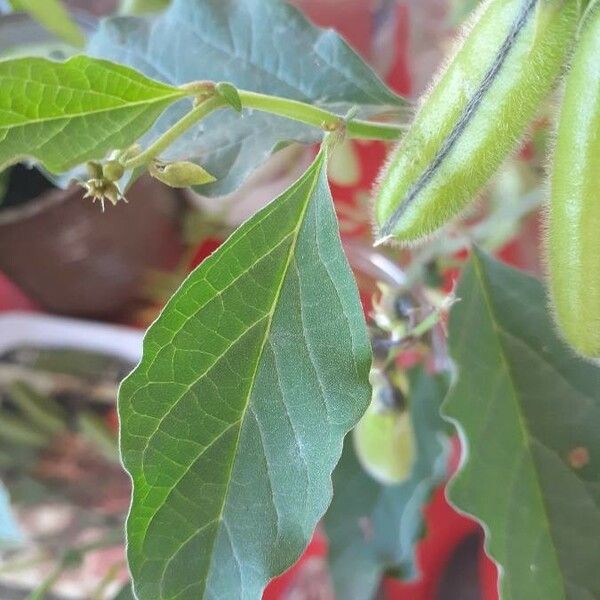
(32, 208)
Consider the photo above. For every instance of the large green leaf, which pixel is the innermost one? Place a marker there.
(529, 414)
(63, 114)
(372, 528)
(54, 17)
(260, 45)
(234, 420)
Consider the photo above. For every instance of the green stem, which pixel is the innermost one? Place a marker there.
(359, 129)
(318, 117)
(168, 137)
(283, 107)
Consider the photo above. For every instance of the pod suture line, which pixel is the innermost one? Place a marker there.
(519, 24)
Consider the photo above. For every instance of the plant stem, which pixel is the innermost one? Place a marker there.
(318, 117)
(168, 137)
(283, 107)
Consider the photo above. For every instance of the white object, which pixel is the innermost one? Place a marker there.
(32, 329)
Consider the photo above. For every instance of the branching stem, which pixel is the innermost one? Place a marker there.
(168, 137)
(283, 107)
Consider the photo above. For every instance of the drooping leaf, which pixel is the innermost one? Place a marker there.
(234, 419)
(259, 45)
(53, 16)
(529, 414)
(373, 528)
(66, 113)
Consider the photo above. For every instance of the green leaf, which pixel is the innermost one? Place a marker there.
(63, 114)
(234, 420)
(372, 528)
(53, 16)
(230, 94)
(529, 414)
(264, 46)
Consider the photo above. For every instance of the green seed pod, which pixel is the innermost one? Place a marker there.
(573, 232)
(180, 174)
(468, 123)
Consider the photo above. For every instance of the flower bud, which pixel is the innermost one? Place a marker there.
(180, 174)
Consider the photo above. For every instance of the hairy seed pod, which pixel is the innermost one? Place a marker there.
(573, 228)
(468, 123)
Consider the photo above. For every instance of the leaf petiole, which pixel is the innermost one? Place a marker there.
(200, 111)
(283, 107)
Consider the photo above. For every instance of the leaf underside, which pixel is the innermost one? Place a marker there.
(372, 528)
(63, 114)
(259, 45)
(234, 419)
(526, 407)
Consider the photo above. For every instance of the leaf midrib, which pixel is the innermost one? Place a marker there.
(527, 438)
(220, 356)
(80, 115)
(317, 167)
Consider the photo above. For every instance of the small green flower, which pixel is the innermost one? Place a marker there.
(102, 189)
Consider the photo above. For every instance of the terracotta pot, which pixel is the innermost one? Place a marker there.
(71, 258)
